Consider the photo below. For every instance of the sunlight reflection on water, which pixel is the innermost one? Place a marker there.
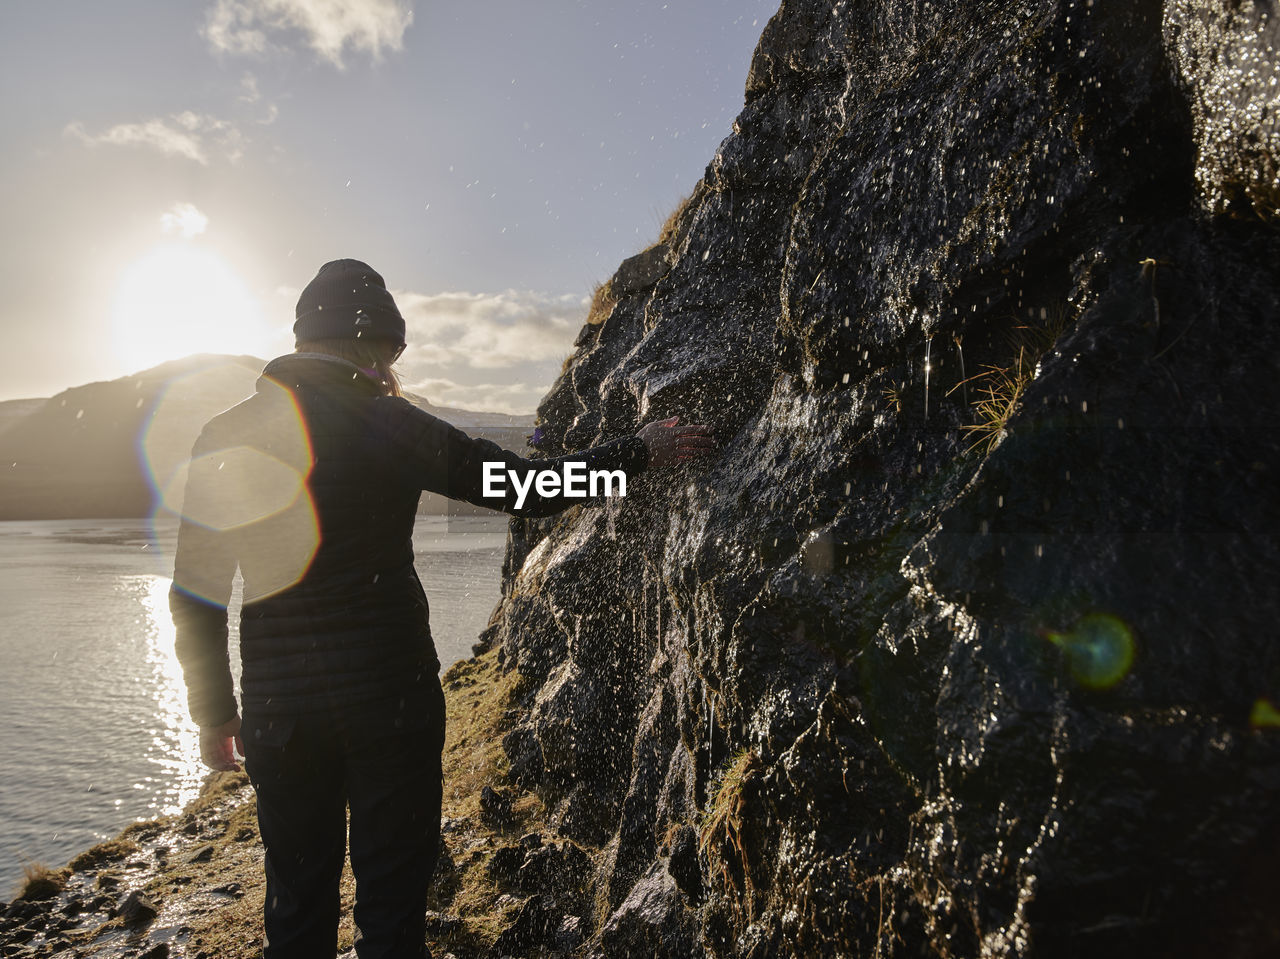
(175, 740)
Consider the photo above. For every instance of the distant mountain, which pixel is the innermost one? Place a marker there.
(104, 449)
(11, 411)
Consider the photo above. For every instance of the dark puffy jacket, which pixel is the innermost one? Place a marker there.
(311, 487)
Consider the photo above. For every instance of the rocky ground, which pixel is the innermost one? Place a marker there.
(191, 884)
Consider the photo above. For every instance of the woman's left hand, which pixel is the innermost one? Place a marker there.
(221, 747)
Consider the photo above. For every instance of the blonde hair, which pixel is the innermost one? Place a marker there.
(368, 354)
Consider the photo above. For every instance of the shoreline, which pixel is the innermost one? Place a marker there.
(191, 884)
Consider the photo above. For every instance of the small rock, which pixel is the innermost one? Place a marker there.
(137, 909)
(505, 863)
(159, 951)
(229, 889)
(73, 906)
(442, 924)
(495, 807)
(244, 834)
(22, 909)
(570, 934)
(22, 934)
(535, 924)
(531, 840)
(203, 854)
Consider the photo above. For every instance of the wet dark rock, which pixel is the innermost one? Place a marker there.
(683, 862)
(137, 909)
(985, 681)
(495, 806)
(505, 863)
(73, 906)
(560, 869)
(535, 923)
(159, 951)
(23, 909)
(524, 756)
(640, 272)
(652, 921)
(22, 934)
(570, 934)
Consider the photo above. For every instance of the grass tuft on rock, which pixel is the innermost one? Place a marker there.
(39, 882)
(113, 850)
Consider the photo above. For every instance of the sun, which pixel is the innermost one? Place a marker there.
(182, 299)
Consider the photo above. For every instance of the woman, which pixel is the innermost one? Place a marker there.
(310, 487)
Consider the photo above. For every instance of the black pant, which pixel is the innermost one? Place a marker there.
(382, 760)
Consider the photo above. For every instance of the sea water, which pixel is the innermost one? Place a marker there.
(94, 732)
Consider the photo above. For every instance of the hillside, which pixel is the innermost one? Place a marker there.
(102, 449)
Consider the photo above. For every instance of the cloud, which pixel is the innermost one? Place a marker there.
(190, 135)
(498, 352)
(491, 331)
(517, 398)
(184, 220)
(251, 95)
(329, 27)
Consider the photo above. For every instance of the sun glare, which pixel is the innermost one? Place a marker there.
(179, 300)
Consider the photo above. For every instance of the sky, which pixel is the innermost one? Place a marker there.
(175, 173)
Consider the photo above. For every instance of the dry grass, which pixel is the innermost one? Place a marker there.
(721, 834)
(39, 882)
(602, 303)
(669, 233)
(1001, 388)
(112, 850)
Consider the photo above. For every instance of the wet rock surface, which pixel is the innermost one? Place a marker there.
(954, 650)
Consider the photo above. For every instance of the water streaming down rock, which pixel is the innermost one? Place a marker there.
(819, 699)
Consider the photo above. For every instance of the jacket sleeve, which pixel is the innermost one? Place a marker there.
(204, 567)
(443, 459)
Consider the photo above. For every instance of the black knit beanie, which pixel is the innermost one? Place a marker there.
(347, 299)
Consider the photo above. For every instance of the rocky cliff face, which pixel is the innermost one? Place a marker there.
(955, 649)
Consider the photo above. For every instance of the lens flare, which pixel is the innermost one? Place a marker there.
(245, 501)
(181, 409)
(1264, 714)
(1099, 650)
